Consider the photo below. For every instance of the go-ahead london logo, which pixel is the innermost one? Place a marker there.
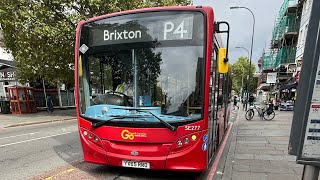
(126, 134)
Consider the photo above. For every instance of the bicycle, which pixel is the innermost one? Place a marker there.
(266, 113)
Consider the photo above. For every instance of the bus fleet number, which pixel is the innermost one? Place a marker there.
(191, 128)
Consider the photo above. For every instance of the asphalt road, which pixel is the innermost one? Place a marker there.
(53, 151)
(31, 150)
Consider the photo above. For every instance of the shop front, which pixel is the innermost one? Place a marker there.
(287, 95)
(7, 78)
(62, 96)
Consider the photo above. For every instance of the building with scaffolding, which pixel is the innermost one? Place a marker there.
(280, 58)
(305, 16)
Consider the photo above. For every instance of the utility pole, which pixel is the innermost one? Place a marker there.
(252, 36)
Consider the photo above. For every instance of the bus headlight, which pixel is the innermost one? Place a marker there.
(96, 138)
(185, 143)
(91, 137)
(179, 143)
(186, 140)
(193, 137)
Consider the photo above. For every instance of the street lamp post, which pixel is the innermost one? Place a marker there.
(242, 81)
(243, 68)
(254, 22)
(244, 49)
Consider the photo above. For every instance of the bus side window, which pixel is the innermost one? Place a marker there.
(220, 100)
(214, 81)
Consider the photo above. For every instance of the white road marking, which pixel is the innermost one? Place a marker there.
(20, 135)
(4, 145)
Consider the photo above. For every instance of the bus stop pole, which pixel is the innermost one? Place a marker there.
(310, 172)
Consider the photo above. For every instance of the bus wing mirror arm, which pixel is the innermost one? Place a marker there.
(218, 30)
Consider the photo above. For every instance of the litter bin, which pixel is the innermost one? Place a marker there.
(5, 107)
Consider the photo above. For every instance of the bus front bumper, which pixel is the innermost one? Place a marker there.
(157, 156)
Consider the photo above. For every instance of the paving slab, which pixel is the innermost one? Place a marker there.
(13, 120)
(261, 150)
(272, 176)
(249, 176)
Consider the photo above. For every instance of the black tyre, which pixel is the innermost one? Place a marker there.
(249, 114)
(269, 116)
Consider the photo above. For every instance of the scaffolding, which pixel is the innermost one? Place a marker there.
(266, 61)
(290, 24)
(269, 60)
(287, 4)
(285, 34)
(286, 55)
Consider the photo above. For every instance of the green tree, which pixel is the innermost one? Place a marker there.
(240, 70)
(40, 34)
(253, 84)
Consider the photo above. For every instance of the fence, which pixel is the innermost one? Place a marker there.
(67, 97)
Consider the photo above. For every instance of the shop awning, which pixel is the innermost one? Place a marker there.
(289, 86)
(264, 86)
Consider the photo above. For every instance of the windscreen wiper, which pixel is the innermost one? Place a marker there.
(169, 126)
(101, 123)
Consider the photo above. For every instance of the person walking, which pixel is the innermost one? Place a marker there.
(243, 101)
(50, 104)
(235, 102)
(251, 100)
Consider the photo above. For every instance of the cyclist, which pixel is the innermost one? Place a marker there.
(251, 100)
(235, 101)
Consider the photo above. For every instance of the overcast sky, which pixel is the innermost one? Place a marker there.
(4, 55)
(240, 21)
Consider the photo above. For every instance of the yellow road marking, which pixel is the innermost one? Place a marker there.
(60, 174)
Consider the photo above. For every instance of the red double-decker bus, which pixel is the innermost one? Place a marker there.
(149, 94)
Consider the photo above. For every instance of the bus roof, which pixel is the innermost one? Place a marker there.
(170, 8)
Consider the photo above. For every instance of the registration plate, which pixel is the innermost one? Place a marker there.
(136, 164)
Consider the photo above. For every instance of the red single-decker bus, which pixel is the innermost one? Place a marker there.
(148, 92)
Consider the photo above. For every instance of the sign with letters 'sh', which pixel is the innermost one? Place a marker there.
(7, 74)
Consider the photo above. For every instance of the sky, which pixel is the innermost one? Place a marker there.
(4, 55)
(241, 22)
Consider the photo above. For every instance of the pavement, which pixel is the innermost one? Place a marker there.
(258, 149)
(13, 120)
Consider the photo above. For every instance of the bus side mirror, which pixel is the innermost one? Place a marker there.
(223, 64)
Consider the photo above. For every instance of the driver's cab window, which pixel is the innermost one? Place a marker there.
(100, 76)
(110, 79)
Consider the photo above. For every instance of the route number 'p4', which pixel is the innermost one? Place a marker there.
(169, 27)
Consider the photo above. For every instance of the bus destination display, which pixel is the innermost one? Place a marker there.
(158, 28)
